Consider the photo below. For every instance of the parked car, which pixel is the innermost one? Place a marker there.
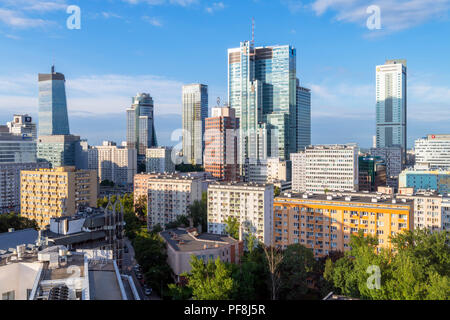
(148, 291)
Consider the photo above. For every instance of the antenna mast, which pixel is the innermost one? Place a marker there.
(253, 32)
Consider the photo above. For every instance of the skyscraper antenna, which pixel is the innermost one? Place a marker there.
(253, 31)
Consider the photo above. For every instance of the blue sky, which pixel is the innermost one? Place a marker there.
(156, 46)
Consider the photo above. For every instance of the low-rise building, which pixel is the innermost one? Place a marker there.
(324, 223)
(250, 203)
(182, 244)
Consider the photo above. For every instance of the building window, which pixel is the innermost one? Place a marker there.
(10, 295)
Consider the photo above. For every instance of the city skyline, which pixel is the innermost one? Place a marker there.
(338, 80)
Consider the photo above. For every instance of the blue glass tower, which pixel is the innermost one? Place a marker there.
(53, 119)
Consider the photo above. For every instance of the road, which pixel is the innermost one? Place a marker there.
(128, 263)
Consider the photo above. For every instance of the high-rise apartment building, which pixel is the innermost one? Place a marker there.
(159, 160)
(195, 111)
(394, 159)
(58, 192)
(323, 168)
(391, 104)
(221, 144)
(273, 109)
(324, 223)
(112, 163)
(140, 124)
(23, 125)
(433, 152)
(53, 118)
(250, 203)
(169, 196)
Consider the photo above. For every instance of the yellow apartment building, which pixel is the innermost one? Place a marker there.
(48, 193)
(324, 222)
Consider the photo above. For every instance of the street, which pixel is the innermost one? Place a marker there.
(128, 263)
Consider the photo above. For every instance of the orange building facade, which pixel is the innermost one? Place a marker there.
(324, 223)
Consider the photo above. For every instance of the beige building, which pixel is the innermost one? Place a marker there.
(278, 170)
(250, 203)
(116, 164)
(58, 192)
(431, 210)
(169, 196)
(182, 244)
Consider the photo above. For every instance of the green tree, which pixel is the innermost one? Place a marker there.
(140, 207)
(232, 227)
(297, 266)
(13, 220)
(178, 292)
(210, 281)
(276, 191)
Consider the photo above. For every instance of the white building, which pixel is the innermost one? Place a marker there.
(251, 204)
(169, 196)
(325, 167)
(22, 125)
(278, 170)
(433, 152)
(116, 164)
(159, 159)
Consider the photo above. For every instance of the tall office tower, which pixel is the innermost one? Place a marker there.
(53, 119)
(263, 89)
(394, 159)
(324, 223)
(250, 203)
(433, 152)
(303, 117)
(70, 189)
(195, 111)
(159, 160)
(22, 125)
(112, 163)
(326, 168)
(140, 125)
(221, 144)
(391, 104)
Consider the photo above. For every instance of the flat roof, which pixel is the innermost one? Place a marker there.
(16, 238)
(191, 243)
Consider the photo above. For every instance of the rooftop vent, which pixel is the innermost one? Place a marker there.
(305, 196)
(349, 198)
(374, 200)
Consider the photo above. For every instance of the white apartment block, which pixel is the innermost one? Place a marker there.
(159, 159)
(251, 204)
(325, 168)
(169, 196)
(116, 164)
(433, 152)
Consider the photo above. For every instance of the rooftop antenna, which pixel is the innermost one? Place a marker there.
(218, 101)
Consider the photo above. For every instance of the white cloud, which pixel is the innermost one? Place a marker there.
(17, 20)
(183, 3)
(396, 15)
(93, 95)
(216, 6)
(153, 21)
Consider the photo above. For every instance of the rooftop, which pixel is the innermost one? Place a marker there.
(185, 241)
(13, 239)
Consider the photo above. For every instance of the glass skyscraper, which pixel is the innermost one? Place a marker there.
(263, 89)
(53, 119)
(195, 111)
(140, 124)
(391, 106)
